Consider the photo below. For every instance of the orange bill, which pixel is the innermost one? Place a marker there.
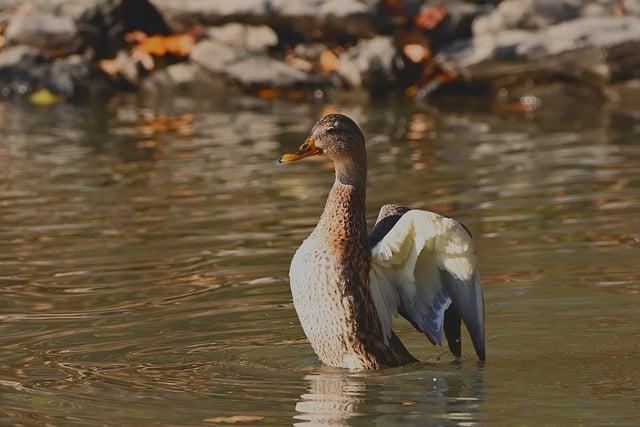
(307, 149)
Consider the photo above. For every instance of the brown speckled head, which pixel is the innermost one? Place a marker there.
(338, 136)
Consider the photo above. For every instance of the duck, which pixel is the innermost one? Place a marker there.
(348, 285)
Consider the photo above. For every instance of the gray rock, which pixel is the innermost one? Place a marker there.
(457, 23)
(527, 15)
(24, 69)
(370, 64)
(102, 24)
(593, 49)
(253, 38)
(20, 56)
(263, 71)
(248, 69)
(45, 31)
(300, 19)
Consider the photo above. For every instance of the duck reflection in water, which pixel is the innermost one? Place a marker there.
(415, 396)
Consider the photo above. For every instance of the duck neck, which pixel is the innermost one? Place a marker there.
(343, 219)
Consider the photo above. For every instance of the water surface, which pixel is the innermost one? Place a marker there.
(144, 251)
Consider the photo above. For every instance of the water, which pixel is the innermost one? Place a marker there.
(144, 250)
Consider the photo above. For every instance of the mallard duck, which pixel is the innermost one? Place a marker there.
(348, 286)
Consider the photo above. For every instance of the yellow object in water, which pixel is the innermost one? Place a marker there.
(44, 97)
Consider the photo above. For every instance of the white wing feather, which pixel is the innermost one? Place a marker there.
(420, 266)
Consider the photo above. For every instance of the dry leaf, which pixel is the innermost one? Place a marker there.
(430, 17)
(416, 52)
(110, 67)
(158, 45)
(268, 93)
(299, 63)
(328, 61)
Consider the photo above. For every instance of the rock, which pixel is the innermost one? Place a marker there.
(17, 66)
(527, 15)
(457, 23)
(371, 64)
(292, 20)
(45, 31)
(253, 38)
(102, 24)
(24, 69)
(591, 49)
(21, 56)
(248, 69)
(183, 77)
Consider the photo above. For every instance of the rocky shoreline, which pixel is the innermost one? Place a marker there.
(73, 50)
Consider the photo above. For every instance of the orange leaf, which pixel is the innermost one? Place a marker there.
(159, 45)
(328, 61)
(268, 93)
(430, 17)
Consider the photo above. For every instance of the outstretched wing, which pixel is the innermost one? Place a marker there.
(424, 268)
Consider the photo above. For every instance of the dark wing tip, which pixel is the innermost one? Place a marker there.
(468, 303)
(452, 330)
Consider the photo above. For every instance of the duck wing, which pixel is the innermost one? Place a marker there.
(423, 267)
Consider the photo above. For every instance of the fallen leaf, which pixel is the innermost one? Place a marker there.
(233, 419)
(44, 97)
(430, 17)
(159, 45)
(299, 63)
(110, 67)
(328, 61)
(268, 93)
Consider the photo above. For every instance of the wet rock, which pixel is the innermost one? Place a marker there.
(457, 23)
(16, 68)
(527, 15)
(246, 68)
(46, 31)
(253, 38)
(102, 24)
(297, 20)
(592, 50)
(371, 64)
(24, 69)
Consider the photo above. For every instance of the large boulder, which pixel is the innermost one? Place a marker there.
(597, 50)
(103, 24)
(45, 31)
(296, 20)
(534, 15)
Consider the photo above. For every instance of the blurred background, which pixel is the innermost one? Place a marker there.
(146, 229)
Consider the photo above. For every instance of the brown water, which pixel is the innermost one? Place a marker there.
(144, 253)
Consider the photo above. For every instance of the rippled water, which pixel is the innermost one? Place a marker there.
(144, 252)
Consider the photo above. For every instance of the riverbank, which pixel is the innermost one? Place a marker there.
(515, 50)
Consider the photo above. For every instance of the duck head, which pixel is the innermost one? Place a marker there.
(335, 136)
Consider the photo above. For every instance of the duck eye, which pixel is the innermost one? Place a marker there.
(332, 130)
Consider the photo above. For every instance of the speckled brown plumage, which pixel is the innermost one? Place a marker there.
(330, 271)
(348, 286)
